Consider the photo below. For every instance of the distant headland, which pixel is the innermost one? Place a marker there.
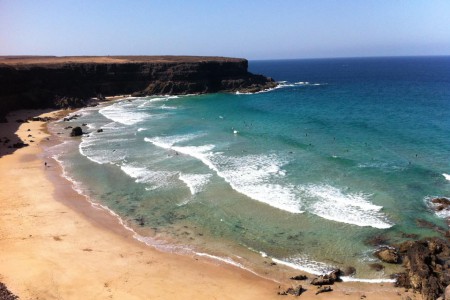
(70, 81)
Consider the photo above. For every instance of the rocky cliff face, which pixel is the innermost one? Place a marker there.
(37, 82)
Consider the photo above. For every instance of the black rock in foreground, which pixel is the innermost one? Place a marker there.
(5, 294)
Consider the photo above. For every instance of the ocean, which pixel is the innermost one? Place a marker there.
(301, 177)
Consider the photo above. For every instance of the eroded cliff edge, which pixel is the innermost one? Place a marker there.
(41, 82)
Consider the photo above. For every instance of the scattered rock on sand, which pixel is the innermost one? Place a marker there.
(292, 291)
(324, 289)
(299, 277)
(327, 279)
(77, 131)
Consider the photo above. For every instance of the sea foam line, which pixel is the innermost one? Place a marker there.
(446, 176)
(250, 181)
(351, 208)
(195, 182)
(309, 268)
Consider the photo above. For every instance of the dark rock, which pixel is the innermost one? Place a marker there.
(72, 117)
(40, 119)
(335, 275)
(19, 145)
(140, 221)
(426, 265)
(442, 201)
(377, 240)
(429, 225)
(84, 124)
(376, 266)
(324, 289)
(388, 255)
(5, 294)
(348, 271)
(409, 235)
(293, 291)
(100, 130)
(77, 131)
(299, 277)
(327, 279)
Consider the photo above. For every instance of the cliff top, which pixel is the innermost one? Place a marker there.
(23, 61)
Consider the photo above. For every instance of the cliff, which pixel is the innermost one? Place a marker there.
(40, 82)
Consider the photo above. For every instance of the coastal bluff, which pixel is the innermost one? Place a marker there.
(50, 81)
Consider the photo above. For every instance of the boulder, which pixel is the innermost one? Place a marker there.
(324, 289)
(292, 291)
(330, 278)
(77, 131)
(388, 255)
(100, 130)
(299, 277)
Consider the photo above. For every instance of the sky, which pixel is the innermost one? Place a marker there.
(237, 28)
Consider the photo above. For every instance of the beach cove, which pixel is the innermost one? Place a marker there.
(55, 245)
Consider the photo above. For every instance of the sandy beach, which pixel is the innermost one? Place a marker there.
(55, 245)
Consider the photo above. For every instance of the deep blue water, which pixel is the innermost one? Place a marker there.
(343, 150)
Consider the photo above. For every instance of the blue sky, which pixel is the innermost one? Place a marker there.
(245, 28)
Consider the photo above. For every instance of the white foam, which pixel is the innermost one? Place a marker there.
(123, 113)
(351, 208)
(167, 142)
(319, 268)
(306, 265)
(226, 260)
(446, 176)
(251, 175)
(97, 146)
(195, 182)
(156, 179)
(353, 279)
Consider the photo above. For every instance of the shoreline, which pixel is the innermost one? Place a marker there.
(103, 240)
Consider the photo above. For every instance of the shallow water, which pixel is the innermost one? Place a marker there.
(343, 150)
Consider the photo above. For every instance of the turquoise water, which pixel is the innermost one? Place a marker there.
(305, 174)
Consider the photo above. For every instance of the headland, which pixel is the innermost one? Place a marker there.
(72, 81)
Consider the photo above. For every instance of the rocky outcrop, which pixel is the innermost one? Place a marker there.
(36, 82)
(426, 265)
